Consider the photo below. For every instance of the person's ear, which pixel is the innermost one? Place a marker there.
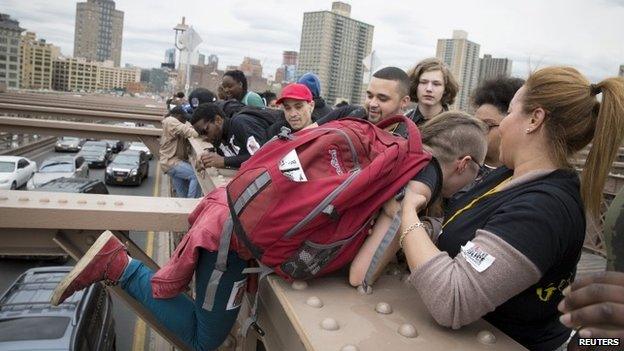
(405, 101)
(537, 119)
(218, 121)
(462, 164)
(311, 105)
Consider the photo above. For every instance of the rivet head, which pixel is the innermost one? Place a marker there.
(101, 202)
(299, 285)
(23, 198)
(486, 337)
(82, 201)
(62, 201)
(45, 200)
(364, 291)
(314, 301)
(349, 347)
(3, 198)
(118, 203)
(408, 330)
(330, 324)
(383, 308)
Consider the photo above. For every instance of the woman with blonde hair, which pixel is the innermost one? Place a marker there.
(510, 246)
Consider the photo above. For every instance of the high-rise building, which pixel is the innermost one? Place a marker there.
(333, 46)
(201, 59)
(78, 74)
(491, 67)
(170, 55)
(251, 67)
(462, 56)
(10, 51)
(98, 31)
(213, 62)
(36, 62)
(289, 58)
(621, 71)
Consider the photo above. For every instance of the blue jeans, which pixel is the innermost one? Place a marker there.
(184, 317)
(184, 180)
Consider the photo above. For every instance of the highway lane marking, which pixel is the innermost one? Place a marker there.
(140, 328)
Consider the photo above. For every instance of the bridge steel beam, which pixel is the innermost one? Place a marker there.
(149, 136)
(77, 113)
(77, 104)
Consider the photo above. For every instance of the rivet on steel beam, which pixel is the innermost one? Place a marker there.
(383, 308)
(314, 301)
(299, 285)
(82, 201)
(23, 198)
(101, 202)
(349, 347)
(45, 200)
(62, 201)
(330, 324)
(364, 291)
(3, 198)
(486, 337)
(408, 330)
(118, 203)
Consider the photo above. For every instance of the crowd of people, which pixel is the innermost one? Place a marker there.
(491, 228)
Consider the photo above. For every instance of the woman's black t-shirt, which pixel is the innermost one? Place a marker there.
(544, 219)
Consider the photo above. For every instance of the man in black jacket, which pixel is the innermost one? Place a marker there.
(235, 139)
(313, 83)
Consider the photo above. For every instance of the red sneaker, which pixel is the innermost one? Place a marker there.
(105, 260)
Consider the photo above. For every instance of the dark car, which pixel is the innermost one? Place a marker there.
(96, 153)
(128, 167)
(117, 146)
(29, 322)
(71, 144)
(75, 185)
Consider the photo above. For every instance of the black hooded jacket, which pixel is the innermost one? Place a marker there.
(244, 134)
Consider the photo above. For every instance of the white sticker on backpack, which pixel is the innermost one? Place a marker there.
(478, 259)
(236, 296)
(290, 166)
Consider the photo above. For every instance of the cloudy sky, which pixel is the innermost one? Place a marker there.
(587, 34)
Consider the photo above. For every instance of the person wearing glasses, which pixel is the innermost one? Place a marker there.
(510, 246)
(491, 101)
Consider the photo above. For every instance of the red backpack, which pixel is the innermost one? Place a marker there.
(302, 204)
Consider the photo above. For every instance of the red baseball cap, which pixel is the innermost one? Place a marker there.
(295, 91)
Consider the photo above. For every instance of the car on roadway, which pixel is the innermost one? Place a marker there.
(58, 167)
(29, 322)
(96, 153)
(71, 144)
(15, 171)
(128, 167)
(139, 146)
(75, 185)
(116, 145)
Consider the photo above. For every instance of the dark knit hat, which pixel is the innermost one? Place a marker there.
(313, 83)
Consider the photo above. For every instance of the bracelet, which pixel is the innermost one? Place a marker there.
(408, 230)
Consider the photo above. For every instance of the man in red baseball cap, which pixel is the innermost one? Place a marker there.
(298, 104)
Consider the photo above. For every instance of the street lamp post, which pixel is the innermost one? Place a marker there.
(181, 45)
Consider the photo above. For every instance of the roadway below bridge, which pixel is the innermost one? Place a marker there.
(132, 333)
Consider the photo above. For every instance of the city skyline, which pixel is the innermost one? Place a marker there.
(544, 34)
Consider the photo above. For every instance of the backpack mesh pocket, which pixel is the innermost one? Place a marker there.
(310, 259)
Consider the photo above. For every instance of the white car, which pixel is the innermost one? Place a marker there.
(58, 167)
(138, 146)
(15, 171)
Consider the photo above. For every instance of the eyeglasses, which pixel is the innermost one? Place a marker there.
(492, 126)
(479, 166)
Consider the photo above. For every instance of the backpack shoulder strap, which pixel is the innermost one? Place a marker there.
(381, 249)
(220, 265)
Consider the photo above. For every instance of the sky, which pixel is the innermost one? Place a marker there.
(588, 35)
